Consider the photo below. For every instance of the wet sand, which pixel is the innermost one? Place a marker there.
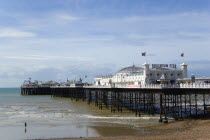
(190, 129)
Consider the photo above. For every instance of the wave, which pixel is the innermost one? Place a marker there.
(119, 117)
(23, 114)
(13, 112)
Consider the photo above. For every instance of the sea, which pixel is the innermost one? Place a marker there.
(48, 117)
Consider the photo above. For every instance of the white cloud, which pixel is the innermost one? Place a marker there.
(10, 32)
(49, 20)
(65, 16)
(45, 57)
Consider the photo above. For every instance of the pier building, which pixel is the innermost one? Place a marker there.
(154, 74)
(194, 80)
(137, 90)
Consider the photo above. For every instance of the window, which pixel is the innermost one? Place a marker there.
(158, 74)
(172, 74)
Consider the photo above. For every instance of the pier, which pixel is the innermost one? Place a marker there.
(35, 90)
(167, 101)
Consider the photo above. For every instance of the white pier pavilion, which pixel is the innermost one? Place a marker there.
(148, 74)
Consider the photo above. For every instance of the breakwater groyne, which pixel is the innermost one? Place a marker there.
(166, 101)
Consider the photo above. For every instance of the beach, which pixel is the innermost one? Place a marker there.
(186, 129)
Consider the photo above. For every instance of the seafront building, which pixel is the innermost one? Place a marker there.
(148, 74)
(133, 76)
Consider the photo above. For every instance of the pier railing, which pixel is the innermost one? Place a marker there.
(151, 86)
(194, 85)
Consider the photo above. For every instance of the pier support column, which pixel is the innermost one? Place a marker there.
(165, 109)
(196, 105)
(161, 108)
(204, 103)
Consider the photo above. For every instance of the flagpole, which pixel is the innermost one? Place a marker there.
(146, 57)
(183, 59)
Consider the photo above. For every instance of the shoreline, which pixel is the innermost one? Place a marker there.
(188, 128)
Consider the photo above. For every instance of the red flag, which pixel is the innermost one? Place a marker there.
(143, 54)
(182, 54)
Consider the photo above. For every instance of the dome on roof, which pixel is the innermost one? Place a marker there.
(50, 83)
(131, 70)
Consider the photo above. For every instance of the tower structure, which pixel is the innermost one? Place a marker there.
(184, 70)
(146, 72)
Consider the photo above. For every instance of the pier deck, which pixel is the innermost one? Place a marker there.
(176, 101)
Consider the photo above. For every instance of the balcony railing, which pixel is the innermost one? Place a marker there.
(194, 85)
(153, 86)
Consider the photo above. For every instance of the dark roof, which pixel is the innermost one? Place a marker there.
(50, 83)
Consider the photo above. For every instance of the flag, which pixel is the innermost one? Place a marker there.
(182, 54)
(143, 54)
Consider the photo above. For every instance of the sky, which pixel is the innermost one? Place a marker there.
(60, 39)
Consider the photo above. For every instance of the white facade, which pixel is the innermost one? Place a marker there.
(143, 75)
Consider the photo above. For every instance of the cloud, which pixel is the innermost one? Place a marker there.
(50, 20)
(65, 17)
(18, 72)
(193, 34)
(144, 36)
(69, 44)
(45, 57)
(200, 62)
(15, 33)
(165, 17)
